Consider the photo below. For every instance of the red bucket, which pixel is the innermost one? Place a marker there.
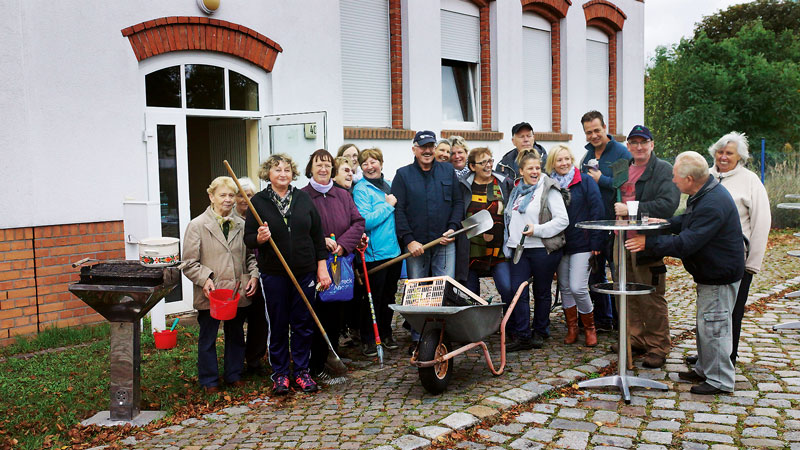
(221, 307)
(166, 339)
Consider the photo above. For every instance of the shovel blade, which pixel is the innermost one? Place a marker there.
(478, 223)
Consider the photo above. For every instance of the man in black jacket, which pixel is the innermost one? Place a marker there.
(523, 139)
(649, 183)
(708, 238)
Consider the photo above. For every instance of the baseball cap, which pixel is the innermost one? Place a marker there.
(515, 129)
(641, 131)
(424, 137)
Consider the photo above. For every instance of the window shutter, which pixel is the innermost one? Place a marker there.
(366, 65)
(461, 37)
(597, 76)
(537, 78)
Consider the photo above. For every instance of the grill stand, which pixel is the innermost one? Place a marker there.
(125, 358)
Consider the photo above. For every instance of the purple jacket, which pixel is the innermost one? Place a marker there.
(339, 216)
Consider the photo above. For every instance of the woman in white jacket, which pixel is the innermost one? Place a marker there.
(535, 212)
(730, 154)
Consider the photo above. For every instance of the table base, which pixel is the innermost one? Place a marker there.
(787, 326)
(624, 383)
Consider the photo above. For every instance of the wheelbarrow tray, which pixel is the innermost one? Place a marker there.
(461, 323)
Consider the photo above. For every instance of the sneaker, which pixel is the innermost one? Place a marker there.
(653, 360)
(538, 340)
(304, 381)
(369, 349)
(280, 385)
(390, 343)
(692, 376)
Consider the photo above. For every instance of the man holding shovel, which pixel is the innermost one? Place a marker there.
(429, 205)
(650, 187)
(602, 151)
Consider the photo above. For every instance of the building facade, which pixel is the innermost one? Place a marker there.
(119, 115)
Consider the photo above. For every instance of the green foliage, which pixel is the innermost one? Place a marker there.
(775, 15)
(701, 89)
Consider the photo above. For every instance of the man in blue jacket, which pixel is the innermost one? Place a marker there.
(429, 205)
(605, 150)
(708, 238)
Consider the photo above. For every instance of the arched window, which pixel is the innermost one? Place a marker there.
(201, 86)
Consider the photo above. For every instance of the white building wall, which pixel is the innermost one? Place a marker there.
(72, 95)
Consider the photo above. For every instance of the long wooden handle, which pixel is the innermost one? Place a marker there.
(280, 256)
(403, 256)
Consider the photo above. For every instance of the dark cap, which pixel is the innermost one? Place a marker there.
(522, 125)
(424, 137)
(641, 131)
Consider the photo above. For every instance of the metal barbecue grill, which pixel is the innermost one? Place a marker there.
(123, 292)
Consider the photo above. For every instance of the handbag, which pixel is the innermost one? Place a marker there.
(344, 290)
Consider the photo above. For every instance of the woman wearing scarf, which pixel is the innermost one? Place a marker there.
(214, 256)
(482, 256)
(293, 223)
(341, 219)
(573, 271)
(536, 204)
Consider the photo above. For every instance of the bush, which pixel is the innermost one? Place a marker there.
(782, 179)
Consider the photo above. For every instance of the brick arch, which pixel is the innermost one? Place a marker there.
(604, 15)
(170, 34)
(552, 11)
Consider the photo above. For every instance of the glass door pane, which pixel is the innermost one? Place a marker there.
(168, 190)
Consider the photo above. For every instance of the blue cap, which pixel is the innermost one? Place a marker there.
(424, 137)
(641, 131)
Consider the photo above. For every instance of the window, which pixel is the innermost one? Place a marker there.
(460, 58)
(597, 70)
(537, 74)
(205, 87)
(366, 64)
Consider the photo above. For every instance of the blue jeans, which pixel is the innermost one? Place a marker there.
(207, 371)
(501, 274)
(536, 263)
(437, 261)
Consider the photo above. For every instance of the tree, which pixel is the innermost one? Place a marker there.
(775, 15)
(702, 88)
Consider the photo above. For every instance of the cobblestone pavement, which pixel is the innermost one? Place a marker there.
(387, 407)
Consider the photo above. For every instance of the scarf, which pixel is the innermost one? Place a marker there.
(381, 184)
(463, 172)
(521, 190)
(321, 188)
(281, 203)
(563, 180)
(225, 222)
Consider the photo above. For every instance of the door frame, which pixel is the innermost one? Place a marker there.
(265, 136)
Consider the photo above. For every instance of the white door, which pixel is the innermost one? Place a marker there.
(168, 183)
(297, 135)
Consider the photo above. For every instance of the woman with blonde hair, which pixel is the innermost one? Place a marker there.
(458, 155)
(214, 256)
(293, 223)
(573, 270)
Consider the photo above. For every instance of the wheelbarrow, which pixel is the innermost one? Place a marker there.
(442, 326)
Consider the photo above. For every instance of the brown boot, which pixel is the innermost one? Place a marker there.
(588, 329)
(572, 324)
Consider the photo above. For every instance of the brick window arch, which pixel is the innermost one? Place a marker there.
(610, 19)
(553, 11)
(170, 34)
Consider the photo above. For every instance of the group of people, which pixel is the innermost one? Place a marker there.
(535, 200)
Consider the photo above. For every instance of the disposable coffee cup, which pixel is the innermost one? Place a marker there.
(633, 210)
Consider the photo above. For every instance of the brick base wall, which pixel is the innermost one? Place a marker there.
(36, 270)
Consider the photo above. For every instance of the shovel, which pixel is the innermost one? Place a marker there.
(473, 225)
(520, 247)
(336, 274)
(619, 171)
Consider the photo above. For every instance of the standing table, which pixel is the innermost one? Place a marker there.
(622, 289)
(790, 325)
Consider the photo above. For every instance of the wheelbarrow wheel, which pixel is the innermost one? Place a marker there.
(434, 379)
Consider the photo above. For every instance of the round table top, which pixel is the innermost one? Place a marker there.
(793, 196)
(788, 205)
(621, 225)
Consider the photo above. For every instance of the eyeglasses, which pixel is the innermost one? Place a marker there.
(639, 143)
(483, 163)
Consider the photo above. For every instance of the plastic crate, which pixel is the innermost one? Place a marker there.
(438, 291)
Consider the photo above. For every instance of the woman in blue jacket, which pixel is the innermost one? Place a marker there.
(573, 270)
(375, 203)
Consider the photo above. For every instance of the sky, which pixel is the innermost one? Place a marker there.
(666, 21)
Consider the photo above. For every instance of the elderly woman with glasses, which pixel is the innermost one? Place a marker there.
(482, 255)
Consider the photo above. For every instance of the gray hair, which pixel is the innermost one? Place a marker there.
(691, 164)
(742, 147)
(443, 141)
(247, 184)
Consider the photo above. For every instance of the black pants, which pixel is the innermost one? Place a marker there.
(738, 312)
(383, 286)
(257, 330)
(330, 315)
